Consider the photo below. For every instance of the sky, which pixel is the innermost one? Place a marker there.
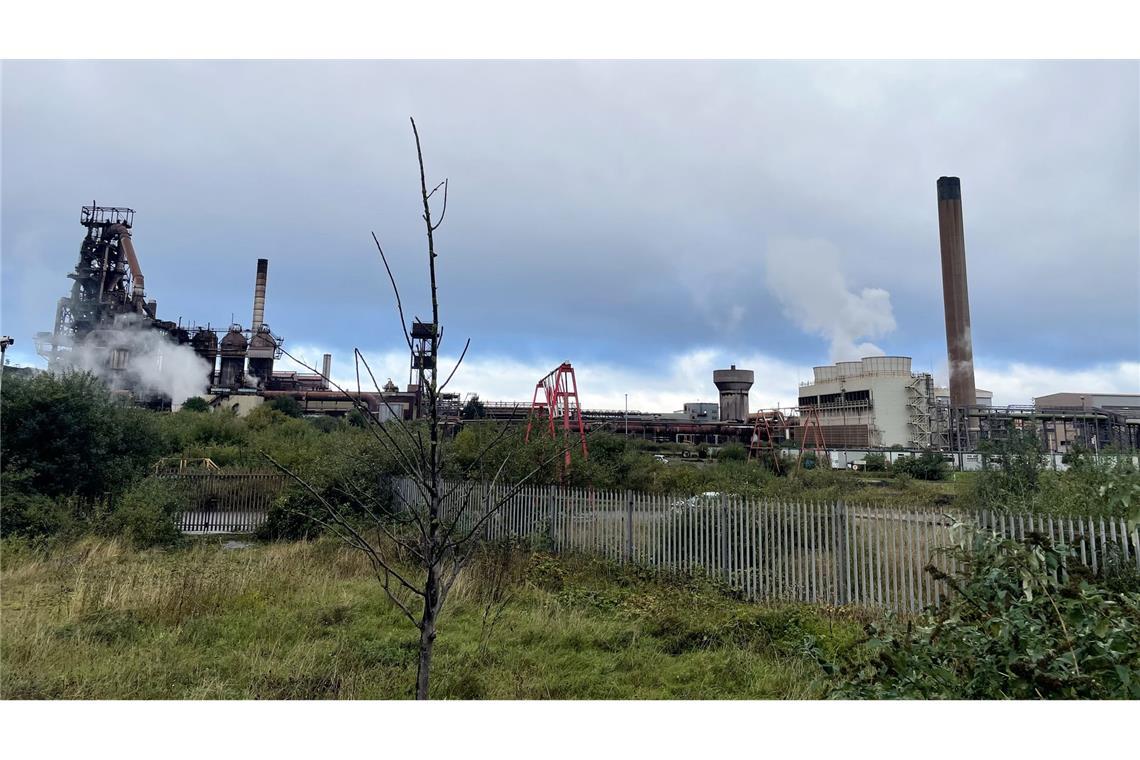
(647, 221)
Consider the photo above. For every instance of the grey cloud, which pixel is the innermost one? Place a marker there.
(598, 208)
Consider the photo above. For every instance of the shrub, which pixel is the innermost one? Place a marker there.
(146, 514)
(287, 405)
(31, 514)
(732, 452)
(71, 438)
(1024, 620)
(195, 404)
(875, 463)
(927, 466)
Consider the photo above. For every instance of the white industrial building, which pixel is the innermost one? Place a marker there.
(878, 402)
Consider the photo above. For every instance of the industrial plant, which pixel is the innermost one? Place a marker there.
(108, 325)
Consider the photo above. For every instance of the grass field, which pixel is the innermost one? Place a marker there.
(307, 620)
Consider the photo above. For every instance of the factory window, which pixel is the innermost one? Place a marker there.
(809, 400)
(859, 395)
(829, 398)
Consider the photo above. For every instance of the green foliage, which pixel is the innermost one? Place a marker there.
(875, 463)
(1015, 627)
(195, 404)
(98, 620)
(733, 452)
(1010, 474)
(71, 438)
(146, 514)
(1108, 484)
(1015, 479)
(926, 466)
(349, 469)
(287, 405)
(473, 409)
(29, 513)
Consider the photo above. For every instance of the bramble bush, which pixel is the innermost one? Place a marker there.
(1024, 620)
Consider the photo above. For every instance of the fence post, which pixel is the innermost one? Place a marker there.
(724, 561)
(841, 552)
(554, 516)
(628, 526)
(484, 507)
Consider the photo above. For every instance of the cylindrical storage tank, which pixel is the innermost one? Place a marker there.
(262, 349)
(848, 369)
(205, 345)
(233, 358)
(733, 385)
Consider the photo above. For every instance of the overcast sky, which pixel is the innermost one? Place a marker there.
(648, 222)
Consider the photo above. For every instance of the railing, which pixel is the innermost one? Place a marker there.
(825, 553)
(835, 554)
(229, 501)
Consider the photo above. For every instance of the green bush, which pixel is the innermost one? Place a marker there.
(195, 404)
(1015, 479)
(927, 466)
(25, 512)
(287, 405)
(146, 515)
(1015, 626)
(72, 438)
(875, 463)
(732, 452)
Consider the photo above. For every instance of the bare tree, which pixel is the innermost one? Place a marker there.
(419, 544)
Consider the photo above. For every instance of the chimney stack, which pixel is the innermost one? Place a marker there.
(259, 294)
(326, 370)
(955, 297)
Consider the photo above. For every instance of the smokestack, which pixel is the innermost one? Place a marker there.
(259, 294)
(955, 298)
(326, 370)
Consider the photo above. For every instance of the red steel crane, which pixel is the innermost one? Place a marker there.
(559, 400)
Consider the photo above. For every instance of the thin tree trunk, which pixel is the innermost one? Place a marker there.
(428, 631)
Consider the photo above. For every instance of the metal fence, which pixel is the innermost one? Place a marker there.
(826, 553)
(774, 550)
(232, 501)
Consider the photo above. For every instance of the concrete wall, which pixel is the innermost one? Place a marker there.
(243, 404)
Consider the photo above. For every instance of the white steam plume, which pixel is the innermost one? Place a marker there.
(154, 365)
(806, 276)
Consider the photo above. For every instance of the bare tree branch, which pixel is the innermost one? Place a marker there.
(457, 363)
(342, 522)
(395, 290)
(442, 213)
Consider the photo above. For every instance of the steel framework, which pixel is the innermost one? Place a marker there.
(765, 443)
(810, 426)
(559, 391)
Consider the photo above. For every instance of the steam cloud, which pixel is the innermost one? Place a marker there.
(155, 365)
(806, 277)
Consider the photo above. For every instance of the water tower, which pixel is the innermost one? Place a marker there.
(733, 385)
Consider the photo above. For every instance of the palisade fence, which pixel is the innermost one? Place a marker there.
(229, 501)
(833, 554)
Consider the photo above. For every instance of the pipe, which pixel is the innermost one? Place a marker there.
(326, 370)
(955, 296)
(259, 294)
(132, 260)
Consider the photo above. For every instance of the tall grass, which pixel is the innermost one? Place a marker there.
(307, 620)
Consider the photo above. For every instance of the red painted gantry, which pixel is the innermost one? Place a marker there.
(559, 400)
